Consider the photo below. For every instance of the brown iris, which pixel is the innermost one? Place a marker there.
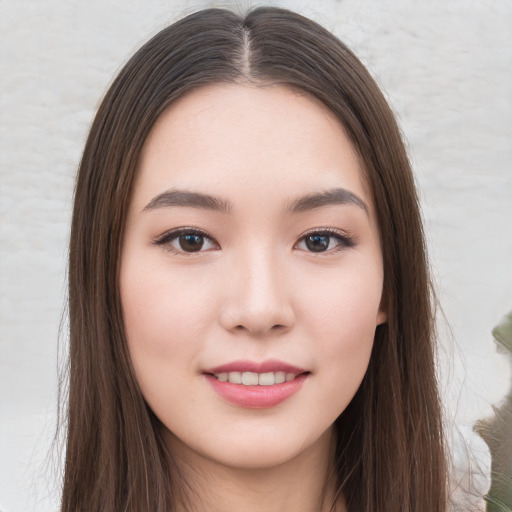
(191, 242)
(317, 243)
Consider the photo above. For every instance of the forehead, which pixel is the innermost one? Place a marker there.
(268, 140)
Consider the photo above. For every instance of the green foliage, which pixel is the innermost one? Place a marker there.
(503, 333)
(497, 433)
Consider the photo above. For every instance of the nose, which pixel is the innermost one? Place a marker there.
(257, 297)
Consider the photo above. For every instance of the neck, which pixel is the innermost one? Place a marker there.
(303, 484)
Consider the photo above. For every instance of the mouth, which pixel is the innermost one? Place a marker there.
(256, 385)
(256, 379)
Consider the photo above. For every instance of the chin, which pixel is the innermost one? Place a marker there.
(251, 450)
(255, 456)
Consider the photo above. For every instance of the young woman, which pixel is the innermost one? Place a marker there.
(250, 307)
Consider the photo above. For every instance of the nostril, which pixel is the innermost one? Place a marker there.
(240, 317)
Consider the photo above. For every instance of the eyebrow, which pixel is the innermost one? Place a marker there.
(335, 196)
(185, 198)
(327, 198)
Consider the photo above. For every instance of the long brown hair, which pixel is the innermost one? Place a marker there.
(390, 452)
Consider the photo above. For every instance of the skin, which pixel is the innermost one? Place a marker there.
(255, 291)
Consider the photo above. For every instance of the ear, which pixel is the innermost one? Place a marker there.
(382, 317)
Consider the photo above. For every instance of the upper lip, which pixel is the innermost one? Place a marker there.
(271, 365)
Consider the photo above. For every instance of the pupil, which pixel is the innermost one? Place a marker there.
(191, 243)
(317, 243)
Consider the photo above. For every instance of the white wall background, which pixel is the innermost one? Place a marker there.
(446, 67)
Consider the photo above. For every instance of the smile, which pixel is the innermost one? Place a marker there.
(255, 379)
(256, 385)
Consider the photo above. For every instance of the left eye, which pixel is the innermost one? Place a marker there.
(324, 241)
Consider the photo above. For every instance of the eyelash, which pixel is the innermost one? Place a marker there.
(344, 241)
(170, 236)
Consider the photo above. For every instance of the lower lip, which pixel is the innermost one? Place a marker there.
(256, 397)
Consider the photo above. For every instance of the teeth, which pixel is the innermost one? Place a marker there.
(280, 377)
(235, 377)
(249, 379)
(266, 379)
(255, 379)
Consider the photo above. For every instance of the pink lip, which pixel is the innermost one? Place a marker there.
(256, 397)
(250, 366)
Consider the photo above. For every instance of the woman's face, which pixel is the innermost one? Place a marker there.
(251, 257)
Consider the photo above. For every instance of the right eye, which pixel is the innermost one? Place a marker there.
(186, 241)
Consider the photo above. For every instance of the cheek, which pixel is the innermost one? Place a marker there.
(165, 319)
(342, 318)
(342, 342)
(346, 304)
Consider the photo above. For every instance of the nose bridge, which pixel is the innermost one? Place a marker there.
(258, 299)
